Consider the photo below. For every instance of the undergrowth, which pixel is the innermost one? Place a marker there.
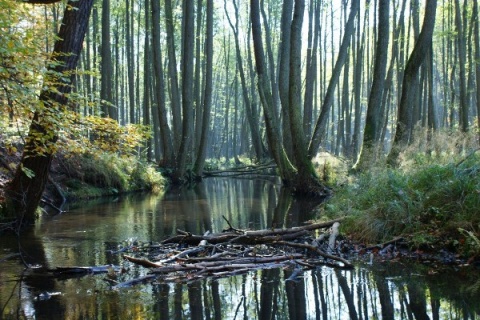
(427, 200)
(91, 175)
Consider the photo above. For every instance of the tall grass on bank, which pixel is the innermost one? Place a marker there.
(435, 192)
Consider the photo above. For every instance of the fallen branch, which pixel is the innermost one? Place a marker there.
(132, 282)
(318, 251)
(248, 237)
(189, 257)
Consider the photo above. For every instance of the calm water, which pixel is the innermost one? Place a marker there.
(83, 236)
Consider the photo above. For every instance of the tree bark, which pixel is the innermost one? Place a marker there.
(320, 126)
(273, 131)
(477, 59)
(373, 122)
(187, 90)
(130, 60)
(250, 114)
(306, 179)
(207, 96)
(410, 81)
(106, 64)
(462, 59)
(172, 73)
(283, 71)
(165, 133)
(28, 184)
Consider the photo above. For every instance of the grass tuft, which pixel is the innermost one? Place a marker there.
(426, 200)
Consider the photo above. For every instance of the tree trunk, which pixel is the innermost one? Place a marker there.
(130, 60)
(357, 87)
(320, 126)
(283, 71)
(461, 50)
(477, 60)
(165, 133)
(106, 64)
(198, 79)
(306, 179)
(27, 186)
(410, 81)
(207, 96)
(311, 72)
(252, 120)
(172, 74)
(187, 90)
(273, 131)
(373, 122)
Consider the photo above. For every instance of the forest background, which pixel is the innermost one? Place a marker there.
(175, 83)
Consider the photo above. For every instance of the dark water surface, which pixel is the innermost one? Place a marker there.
(84, 235)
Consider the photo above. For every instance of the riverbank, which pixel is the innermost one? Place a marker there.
(429, 207)
(84, 176)
(430, 203)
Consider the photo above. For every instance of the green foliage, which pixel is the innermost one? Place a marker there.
(426, 201)
(91, 175)
(26, 36)
(472, 242)
(332, 169)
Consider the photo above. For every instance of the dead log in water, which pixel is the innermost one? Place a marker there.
(189, 257)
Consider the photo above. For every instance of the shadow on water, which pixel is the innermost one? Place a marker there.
(85, 235)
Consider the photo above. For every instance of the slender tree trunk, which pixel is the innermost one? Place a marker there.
(28, 184)
(130, 60)
(165, 133)
(461, 50)
(320, 126)
(357, 89)
(187, 89)
(306, 181)
(477, 59)
(252, 120)
(311, 72)
(172, 75)
(273, 131)
(271, 61)
(207, 100)
(198, 79)
(374, 123)
(410, 81)
(432, 116)
(106, 64)
(147, 78)
(283, 71)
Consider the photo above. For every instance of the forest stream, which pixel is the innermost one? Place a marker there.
(89, 233)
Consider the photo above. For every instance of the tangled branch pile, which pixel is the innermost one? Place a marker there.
(188, 257)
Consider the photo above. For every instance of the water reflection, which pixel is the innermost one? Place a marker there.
(84, 235)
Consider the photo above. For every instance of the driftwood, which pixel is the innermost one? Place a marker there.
(85, 270)
(188, 257)
(236, 251)
(249, 237)
(241, 171)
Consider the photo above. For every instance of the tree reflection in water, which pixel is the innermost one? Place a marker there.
(84, 235)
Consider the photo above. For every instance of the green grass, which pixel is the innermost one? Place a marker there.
(426, 201)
